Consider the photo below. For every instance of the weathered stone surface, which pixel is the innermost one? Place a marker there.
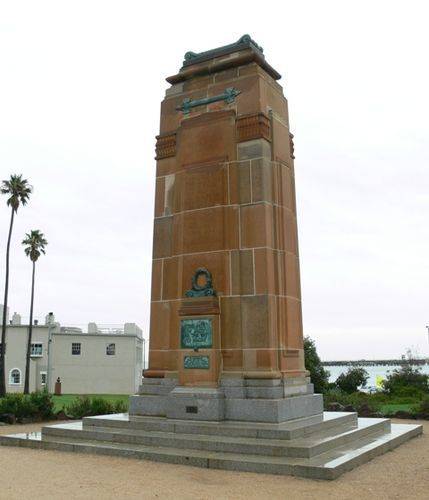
(201, 185)
(148, 405)
(259, 400)
(242, 272)
(256, 148)
(263, 181)
(162, 237)
(256, 225)
(273, 410)
(196, 403)
(208, 230)
(156, 279)
(239, 186)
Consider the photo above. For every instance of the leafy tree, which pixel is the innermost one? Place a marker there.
(18, 191)
(353, 379)
(319, 376)
(34, 243)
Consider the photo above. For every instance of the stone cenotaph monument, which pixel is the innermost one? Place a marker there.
(226, 386)
(226, 338)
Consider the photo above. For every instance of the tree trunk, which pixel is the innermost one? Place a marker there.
(30, 335)
(3, 328)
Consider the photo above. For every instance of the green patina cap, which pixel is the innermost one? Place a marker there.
(245, 42)
(212, 61)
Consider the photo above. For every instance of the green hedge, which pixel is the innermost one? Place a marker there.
(85, 406)
(37, 405)
(41, 406)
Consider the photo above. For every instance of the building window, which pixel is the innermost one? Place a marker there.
(111, 349)
(36, 350)
(43, 376)
(15, 376)
(76, 348)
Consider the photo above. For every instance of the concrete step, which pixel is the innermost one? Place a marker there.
(328, 465)
(288, 430)
(302, 447)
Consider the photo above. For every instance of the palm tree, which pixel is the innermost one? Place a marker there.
(19, 192)
(34, 247)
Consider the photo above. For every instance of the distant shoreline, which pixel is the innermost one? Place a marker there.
(377, 362)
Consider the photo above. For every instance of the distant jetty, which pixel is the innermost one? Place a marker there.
(377, 362)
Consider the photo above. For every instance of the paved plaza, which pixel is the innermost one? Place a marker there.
(400, 474)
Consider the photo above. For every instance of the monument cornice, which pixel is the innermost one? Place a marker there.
(211, 66)
(243, 42)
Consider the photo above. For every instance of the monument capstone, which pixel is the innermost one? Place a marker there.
(227, 385)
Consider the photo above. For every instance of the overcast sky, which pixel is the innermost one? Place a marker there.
(80, 88)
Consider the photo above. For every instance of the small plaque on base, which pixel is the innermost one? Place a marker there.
(196, 362)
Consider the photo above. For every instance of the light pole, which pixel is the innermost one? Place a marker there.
(48, 371)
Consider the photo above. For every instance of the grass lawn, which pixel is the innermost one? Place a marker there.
(66, 399)
(392, 408)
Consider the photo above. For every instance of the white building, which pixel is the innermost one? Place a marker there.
(99, 361)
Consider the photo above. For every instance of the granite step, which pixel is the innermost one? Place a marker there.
(301, 447)
(328, 465)
(154, 390)
(288, 430)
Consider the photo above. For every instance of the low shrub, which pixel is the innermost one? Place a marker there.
(44, 403)
(348, 400)
(84, 406)
(421, 410)
(79, 407)
(19, 405)
(407, 393)
(121, 407)
(35, 406)
(397, 399)
(358, 402)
